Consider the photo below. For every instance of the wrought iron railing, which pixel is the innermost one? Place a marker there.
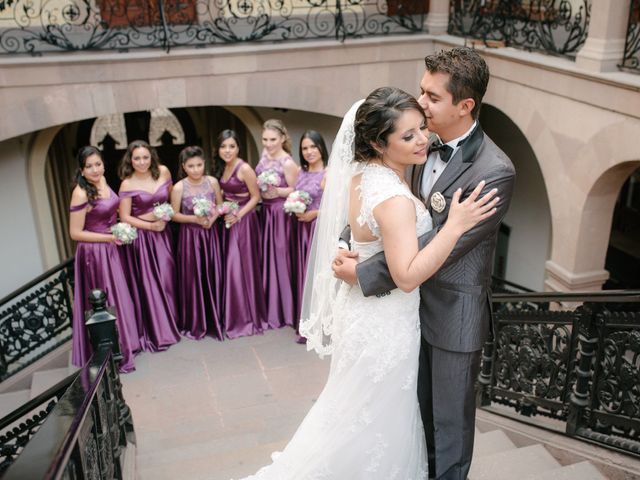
(36, 319)
(631, 58)
(63, 25)
(573, 358)
(18, 427)
(558, 27)
(87, 431)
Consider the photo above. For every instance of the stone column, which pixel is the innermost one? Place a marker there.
(604, 49)
(437, 20)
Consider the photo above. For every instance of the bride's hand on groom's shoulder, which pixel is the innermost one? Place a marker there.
(466, 214)
(344, 266)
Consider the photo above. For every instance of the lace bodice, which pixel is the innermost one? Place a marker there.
(379, 183)
(191, 191)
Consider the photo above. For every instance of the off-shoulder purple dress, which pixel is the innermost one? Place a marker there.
(199, 269)
(98, 265)
(277, 251)
(151, 273)
(310, 182)
(244, 304)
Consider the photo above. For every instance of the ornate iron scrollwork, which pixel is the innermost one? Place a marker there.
(577, 361)
(558, 27)
(36, 319)
(631, 58)
(54, 25)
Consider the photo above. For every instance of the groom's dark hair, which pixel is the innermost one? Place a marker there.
(376, 120)
(468, 74)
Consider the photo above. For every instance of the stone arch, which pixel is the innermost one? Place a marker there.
(597, 213)
(38, 154)
(529, 216)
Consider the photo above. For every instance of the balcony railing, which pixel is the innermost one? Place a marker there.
(557, 27)
(36, 319)
(62, 25)
(631, 59)
(572, 358)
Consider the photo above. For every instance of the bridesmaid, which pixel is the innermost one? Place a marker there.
(198, 255)
(244, 303)
(313, 159)
(277, 252)
(149, 259)
(93, 211)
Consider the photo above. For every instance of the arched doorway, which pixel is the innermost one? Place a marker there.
(525, 235)
(623, 252)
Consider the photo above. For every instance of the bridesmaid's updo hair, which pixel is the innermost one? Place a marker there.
(376, 120)
(218, 163)
(187, 153)
(84, 153)
(318, 141)
(278, 126)
(125, 170)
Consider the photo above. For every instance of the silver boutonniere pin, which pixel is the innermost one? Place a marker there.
(438, 202)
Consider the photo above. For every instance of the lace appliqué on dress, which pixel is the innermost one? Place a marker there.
(379, 183)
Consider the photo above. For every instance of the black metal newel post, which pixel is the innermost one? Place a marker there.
(486, 372)
(103, 331)
(101, 324)
(588, 342)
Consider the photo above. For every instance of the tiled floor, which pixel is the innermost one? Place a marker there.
(216, 410)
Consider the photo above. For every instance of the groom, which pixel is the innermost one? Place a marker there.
(455, 307)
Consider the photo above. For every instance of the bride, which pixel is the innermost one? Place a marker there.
(366, 422)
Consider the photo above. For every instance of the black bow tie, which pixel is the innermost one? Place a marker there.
(444, 149)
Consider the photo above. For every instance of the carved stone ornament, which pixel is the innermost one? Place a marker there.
(438, 202)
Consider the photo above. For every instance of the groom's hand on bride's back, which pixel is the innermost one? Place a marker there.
(344, 266)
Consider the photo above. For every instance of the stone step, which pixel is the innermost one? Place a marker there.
(491, 442)
(512, 464)
(41, 381)
(11, 400)
(577, 471)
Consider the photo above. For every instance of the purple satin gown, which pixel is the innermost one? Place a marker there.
(310, 182)
(244, 302)
(151, 273)
(277, 252)
(98, 265)
(199, 269)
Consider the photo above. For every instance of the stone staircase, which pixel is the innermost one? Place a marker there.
(496, 457)
(35, 379)
(508, 448)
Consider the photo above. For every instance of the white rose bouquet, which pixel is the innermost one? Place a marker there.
(163, 211)
(297, 202)
(124, 233)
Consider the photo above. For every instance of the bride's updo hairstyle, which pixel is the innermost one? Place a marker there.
(376, 120)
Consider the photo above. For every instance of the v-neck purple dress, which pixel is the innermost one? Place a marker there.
(244, 303)
(277, 252)
(98, 265)
(151, 273)
(199, 267)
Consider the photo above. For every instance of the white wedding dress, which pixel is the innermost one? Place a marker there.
(366, 422)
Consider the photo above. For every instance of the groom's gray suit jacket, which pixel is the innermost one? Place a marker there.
(455, 310)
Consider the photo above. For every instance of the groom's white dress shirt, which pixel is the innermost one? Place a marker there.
(435, 166)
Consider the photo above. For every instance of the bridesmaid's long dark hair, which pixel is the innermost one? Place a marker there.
(188, 153)
(318, 141)
(84, 153)
(125, 170)
(218, 163)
